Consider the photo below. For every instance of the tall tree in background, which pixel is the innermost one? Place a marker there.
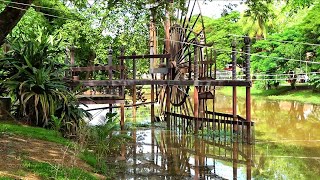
(257, 16)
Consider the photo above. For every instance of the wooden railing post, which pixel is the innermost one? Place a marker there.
(234, 88)
(122, 117)
(196, 91)
(247, 42)
(122, 72)
(134, 91)
(110, 73)
(167, 109)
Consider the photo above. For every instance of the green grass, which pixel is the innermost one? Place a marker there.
(282, 93)
(6, 178)
(33, 132)
(89, 158)
(48, 171)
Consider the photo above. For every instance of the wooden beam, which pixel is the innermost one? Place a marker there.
(101, 101)
(245, 123)
(130, 105)
(162, 82)
(96, 68)
(145, 56)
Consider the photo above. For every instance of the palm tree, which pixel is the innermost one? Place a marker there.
(256, 18)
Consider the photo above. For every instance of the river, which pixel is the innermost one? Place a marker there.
(287, 146)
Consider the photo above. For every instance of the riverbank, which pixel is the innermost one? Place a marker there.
(36, 153)
(300, 94)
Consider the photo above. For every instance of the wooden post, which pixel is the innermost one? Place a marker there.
(167, 28)
(122, 72)
(235, 156)
(234, 88)
(167, 50)
(247, 43)
(249, 159)
(110, 63)
(168, 94)
(110, 74)
(195, 92)
(122, 116)
(196, 109)
(134, 91)
(214, 88)
(153, 50)
(152, 104)
(153, 41)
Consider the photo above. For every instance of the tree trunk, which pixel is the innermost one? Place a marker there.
(11, 15)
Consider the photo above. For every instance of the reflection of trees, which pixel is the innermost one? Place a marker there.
(277, 163)
(315, 113)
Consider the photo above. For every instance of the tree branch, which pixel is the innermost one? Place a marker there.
(11, 15)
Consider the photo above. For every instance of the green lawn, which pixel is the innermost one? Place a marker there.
(281, 93)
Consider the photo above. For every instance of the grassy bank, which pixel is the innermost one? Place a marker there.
(281, 93)
(36, 153)
(33, 132)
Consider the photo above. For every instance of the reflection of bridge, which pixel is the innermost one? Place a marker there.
(170, 155)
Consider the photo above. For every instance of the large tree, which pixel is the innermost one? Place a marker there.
(11, 15)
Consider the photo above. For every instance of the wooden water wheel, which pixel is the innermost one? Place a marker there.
(187, 39)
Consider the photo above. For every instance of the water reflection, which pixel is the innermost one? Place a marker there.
(287, 138)
(279, 120)
(162, 154)
(287, 147)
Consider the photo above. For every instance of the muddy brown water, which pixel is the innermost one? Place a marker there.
(287, 146)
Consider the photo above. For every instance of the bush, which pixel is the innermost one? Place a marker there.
(315, 82)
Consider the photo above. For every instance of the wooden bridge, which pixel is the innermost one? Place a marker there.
(186, 89)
